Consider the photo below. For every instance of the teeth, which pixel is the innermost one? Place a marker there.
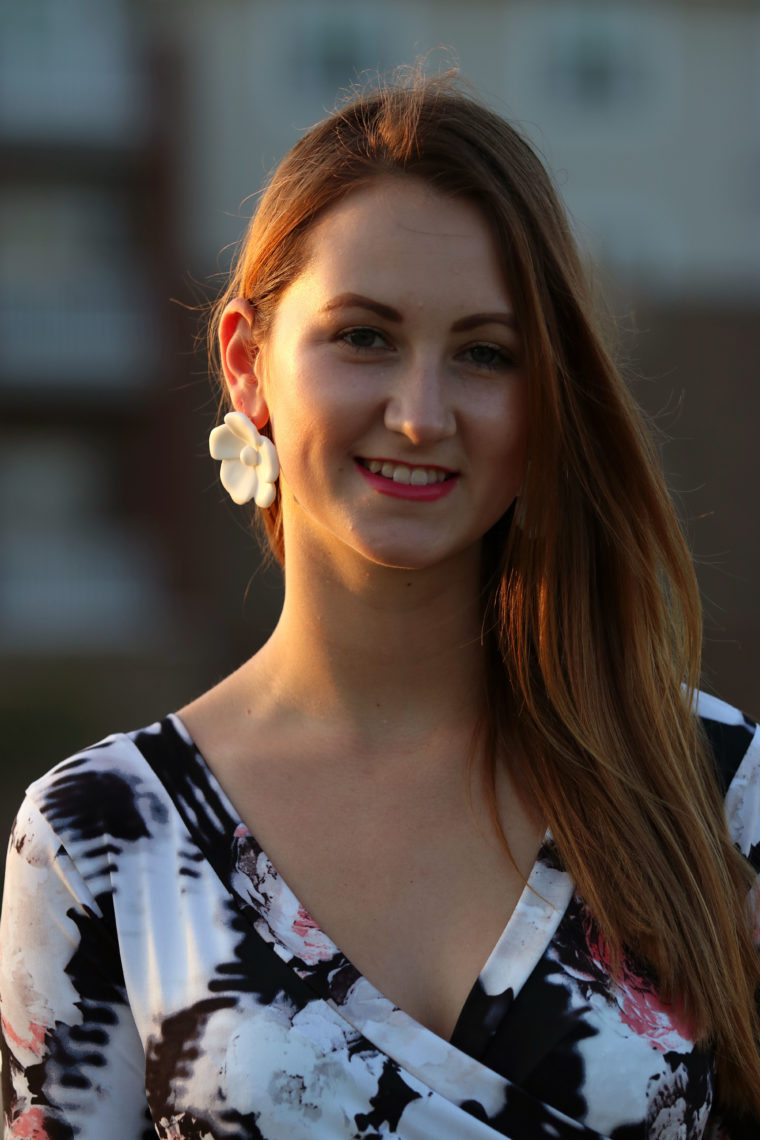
(402, 473)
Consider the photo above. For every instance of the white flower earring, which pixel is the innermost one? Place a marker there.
(249, 461)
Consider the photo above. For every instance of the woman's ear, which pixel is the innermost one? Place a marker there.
(240, 360)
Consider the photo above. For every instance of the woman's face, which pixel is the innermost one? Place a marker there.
(393, 382)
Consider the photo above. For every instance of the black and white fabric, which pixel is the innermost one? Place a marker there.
(158, 977)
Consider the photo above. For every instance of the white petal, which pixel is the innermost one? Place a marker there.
(239, 423)
(223, 444)
(265, 493)
(270, 465)
(241, 482)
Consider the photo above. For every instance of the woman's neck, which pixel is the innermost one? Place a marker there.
(378, 651)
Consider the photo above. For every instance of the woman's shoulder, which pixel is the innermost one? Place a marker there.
(735, 743)
(113, 787)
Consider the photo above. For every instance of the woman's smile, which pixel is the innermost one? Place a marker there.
(402, 481)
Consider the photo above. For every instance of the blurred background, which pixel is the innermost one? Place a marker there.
(132, 137)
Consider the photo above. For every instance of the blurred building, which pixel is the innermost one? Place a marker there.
(132, 139)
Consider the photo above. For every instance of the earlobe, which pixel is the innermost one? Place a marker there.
(239, 355)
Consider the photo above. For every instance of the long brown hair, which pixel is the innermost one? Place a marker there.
(592, 625)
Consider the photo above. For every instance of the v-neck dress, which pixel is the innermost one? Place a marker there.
(158, 977)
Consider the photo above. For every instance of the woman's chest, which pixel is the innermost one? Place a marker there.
(415, 897)
(244, 1002)
(253, 1009)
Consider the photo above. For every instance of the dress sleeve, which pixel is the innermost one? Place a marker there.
(743, 802)
(72, 1060)
(743, 815)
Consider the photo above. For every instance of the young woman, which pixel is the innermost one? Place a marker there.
(448, 857)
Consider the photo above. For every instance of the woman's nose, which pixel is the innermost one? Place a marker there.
(419, 406)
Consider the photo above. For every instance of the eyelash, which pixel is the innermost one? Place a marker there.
(500, 358)
(345, 335)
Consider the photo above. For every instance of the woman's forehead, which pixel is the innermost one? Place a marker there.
(401, 236)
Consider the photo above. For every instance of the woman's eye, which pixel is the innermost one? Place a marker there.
(363, 338)
(489, 356)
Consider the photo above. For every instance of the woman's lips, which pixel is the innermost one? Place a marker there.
(404, 481)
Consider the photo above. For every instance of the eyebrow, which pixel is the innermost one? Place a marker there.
(357, 301)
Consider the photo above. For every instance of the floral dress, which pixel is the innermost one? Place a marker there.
(158, 977)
